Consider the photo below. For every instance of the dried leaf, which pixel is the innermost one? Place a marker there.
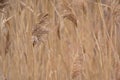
(68, 13)
(71, 17)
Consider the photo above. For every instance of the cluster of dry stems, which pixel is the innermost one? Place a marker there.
(59, 39)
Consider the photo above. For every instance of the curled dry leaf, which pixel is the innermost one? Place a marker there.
(65, 10)
(68, 13)
(71, 17)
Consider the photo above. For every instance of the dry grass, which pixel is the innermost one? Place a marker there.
(59, 40)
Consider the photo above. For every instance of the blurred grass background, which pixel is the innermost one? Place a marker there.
(59, 39)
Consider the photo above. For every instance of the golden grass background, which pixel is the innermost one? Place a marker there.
(59, 39)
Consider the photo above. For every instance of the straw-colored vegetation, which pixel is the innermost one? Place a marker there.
(59, 39)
